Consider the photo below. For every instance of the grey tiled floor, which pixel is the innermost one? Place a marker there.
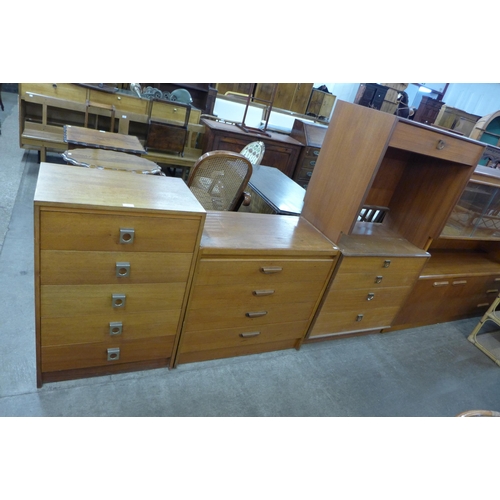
(429, 371)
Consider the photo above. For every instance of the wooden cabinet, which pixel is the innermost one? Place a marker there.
(114, 254)
(282, 151)
(371, 95)
(462, 277)
(428, 110)
(258, 282)
(311, 135)
(411, 173)
(320, 105)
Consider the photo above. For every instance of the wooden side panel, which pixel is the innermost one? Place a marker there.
(350, 155)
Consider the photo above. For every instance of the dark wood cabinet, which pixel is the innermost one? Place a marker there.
(428, 110)
(282, 151)
(371, 95)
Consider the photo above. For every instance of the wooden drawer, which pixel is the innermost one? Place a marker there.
(80, 300)
(193, 341)
(96, 327)
(70, 357)
(362, 300)
(66, 91)
(435, 144)
(303, 175)
(363, 272)
(311, 152)
(64, 267)
(260, 272)
(122, 103)
(228, 316)
(88, 231)
(244, 295)
(351, 321)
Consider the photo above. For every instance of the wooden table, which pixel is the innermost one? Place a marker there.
(282, 151)
(113, 160)
(273, 192)
(90, 138)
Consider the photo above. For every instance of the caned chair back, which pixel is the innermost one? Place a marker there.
(218, 179)
(254, 152)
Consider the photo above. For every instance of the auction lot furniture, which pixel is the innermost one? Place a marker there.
(114, 255)
(257, 284)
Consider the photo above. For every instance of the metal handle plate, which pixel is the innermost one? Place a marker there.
(440, 145)
(113, 354)
(118, 300)
(126, 236)
(370, 296)
(459, 282)
(387, 263)
(493, 290)
(115, 328)
(255, 314)
(359, 317)
(441, 283)
(122, 269)
(378, 279)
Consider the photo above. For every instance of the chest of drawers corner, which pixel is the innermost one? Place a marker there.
(257, 284)
(114, 258)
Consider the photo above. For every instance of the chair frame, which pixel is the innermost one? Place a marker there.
(241, 196)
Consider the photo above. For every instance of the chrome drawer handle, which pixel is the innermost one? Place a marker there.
(316, 152)
(484, 304)
(441, 283)
(262, 293)
(271, 270)
(115, 328)
(113, 354)
(309, 174)
(122, 269)
(440, 145)
(493, 290)
(370, 296)
(497, 279)
(459, 282)
(378, 279)
(312, 163)
(387, 263)
(359, 317)
(118, 300)
(249, 334)
(256, 314)
(126, 236)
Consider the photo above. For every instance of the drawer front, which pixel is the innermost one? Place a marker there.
(261, 272)
(362, 300)
(107, 327)
(64, 267)
(194, 341)
(363, 272)
(227, 316)
(65, 91)
(69, 357)
(79, 231)
(80, 300)
(244, 295)
(122, 103)
(430, 143)
(311, 152)
(303, 175)
(352, 321)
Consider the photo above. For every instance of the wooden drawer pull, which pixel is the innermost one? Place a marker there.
(246, 335)
(441, 283)
(262, 293)
(113, 354)
(271, 270)
(256, 314)
(122, 269)
(493, 290)
(460, 282)
(115, 328)
(126, 236)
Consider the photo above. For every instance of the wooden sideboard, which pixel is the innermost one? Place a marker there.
(114, 258)
(282, 151)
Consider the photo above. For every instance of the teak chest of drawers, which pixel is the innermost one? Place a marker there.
(257, 285)
(114, 256)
